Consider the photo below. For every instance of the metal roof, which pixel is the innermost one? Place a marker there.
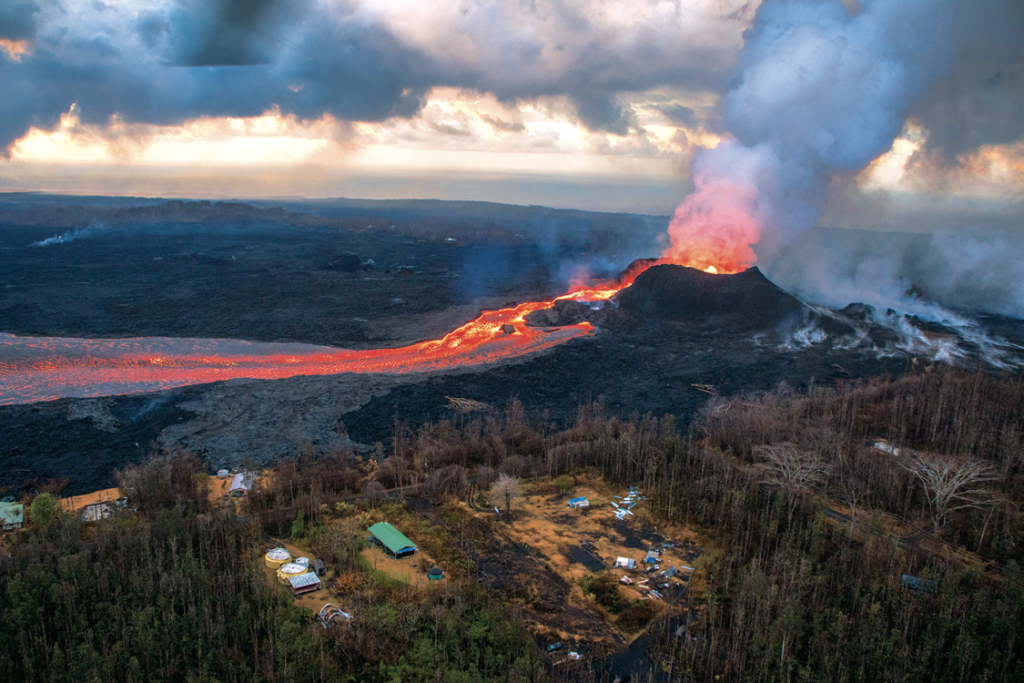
(393, 539)
(577, 500)
(243, 481)
(12, 513)
(303, 580)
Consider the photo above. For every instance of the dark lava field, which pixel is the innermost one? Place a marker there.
(386, 279)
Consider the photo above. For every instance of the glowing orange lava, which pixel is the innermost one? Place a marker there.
(45, 368)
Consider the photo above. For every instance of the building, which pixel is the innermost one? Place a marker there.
(884, 446)
(578, 503)
(391, 540)
(12, 516)
(92, 507)
(242, 483)
(625, 563)
(304, 583)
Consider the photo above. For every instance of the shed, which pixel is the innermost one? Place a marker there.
(12, 516)
(304, 583)
(319, 567)
(578, 503)
(653, 557)
(625, 563)
(242, 483)
(392, 540)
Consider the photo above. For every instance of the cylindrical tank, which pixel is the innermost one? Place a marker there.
(276, 557)
(304, 561)
(289, 570)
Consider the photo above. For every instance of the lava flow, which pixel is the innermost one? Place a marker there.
(45, 368)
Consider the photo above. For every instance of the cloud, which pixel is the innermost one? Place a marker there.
(167, 61)
(603, 111)
(17, 20)
(226, 32)
(677, 113)
(819, 90)
(503, 125)
(981, 100)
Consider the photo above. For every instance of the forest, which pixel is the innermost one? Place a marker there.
(864, 531)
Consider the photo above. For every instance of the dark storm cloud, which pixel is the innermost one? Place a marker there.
(677, 113)
(227, 32)
(352, 71)
(17, 20)
(167, 62)
(981, 100)
(603, 111)
(171, 61)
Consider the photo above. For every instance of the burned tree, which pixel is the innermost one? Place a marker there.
(791, 469)
(506, 489)
(950, 483)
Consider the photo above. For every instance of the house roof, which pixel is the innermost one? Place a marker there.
(393, 539)
(303, 580)
(12, 513)
(578, 500)
(243, 481)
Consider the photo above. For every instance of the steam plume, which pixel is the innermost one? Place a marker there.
(64, 238)
(817, 90)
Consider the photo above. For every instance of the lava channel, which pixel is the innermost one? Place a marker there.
(36, 369)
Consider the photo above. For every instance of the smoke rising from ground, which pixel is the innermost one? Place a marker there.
(66, 237)
(820, 90)
(817, 90)
(918, 274)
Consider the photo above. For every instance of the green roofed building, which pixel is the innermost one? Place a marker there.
(12, 515)
(391, 540)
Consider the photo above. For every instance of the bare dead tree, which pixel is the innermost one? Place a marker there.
(791, 469)
(506, 489)
(373, 493)
(950, 483)
(854, 492)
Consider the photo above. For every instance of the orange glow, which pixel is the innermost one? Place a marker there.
(714, 228)
(15, 49)
(46, 368)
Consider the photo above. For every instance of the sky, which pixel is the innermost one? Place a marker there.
(594, 104)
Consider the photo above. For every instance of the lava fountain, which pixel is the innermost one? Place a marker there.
(45, 368)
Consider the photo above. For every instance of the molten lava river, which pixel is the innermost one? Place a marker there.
(45, 368)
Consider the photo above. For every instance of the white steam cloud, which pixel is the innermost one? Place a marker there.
(819, 90)
(66, 237)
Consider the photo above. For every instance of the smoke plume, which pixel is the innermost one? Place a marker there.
(818, 90)
(66, 237)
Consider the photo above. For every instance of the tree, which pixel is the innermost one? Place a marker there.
(950, 483)
(506, 489)
(791, 469)
(855, 492)
(44, 510)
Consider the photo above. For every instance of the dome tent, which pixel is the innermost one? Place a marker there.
(277, 557)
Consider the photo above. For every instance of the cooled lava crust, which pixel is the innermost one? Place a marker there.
(748, 299)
